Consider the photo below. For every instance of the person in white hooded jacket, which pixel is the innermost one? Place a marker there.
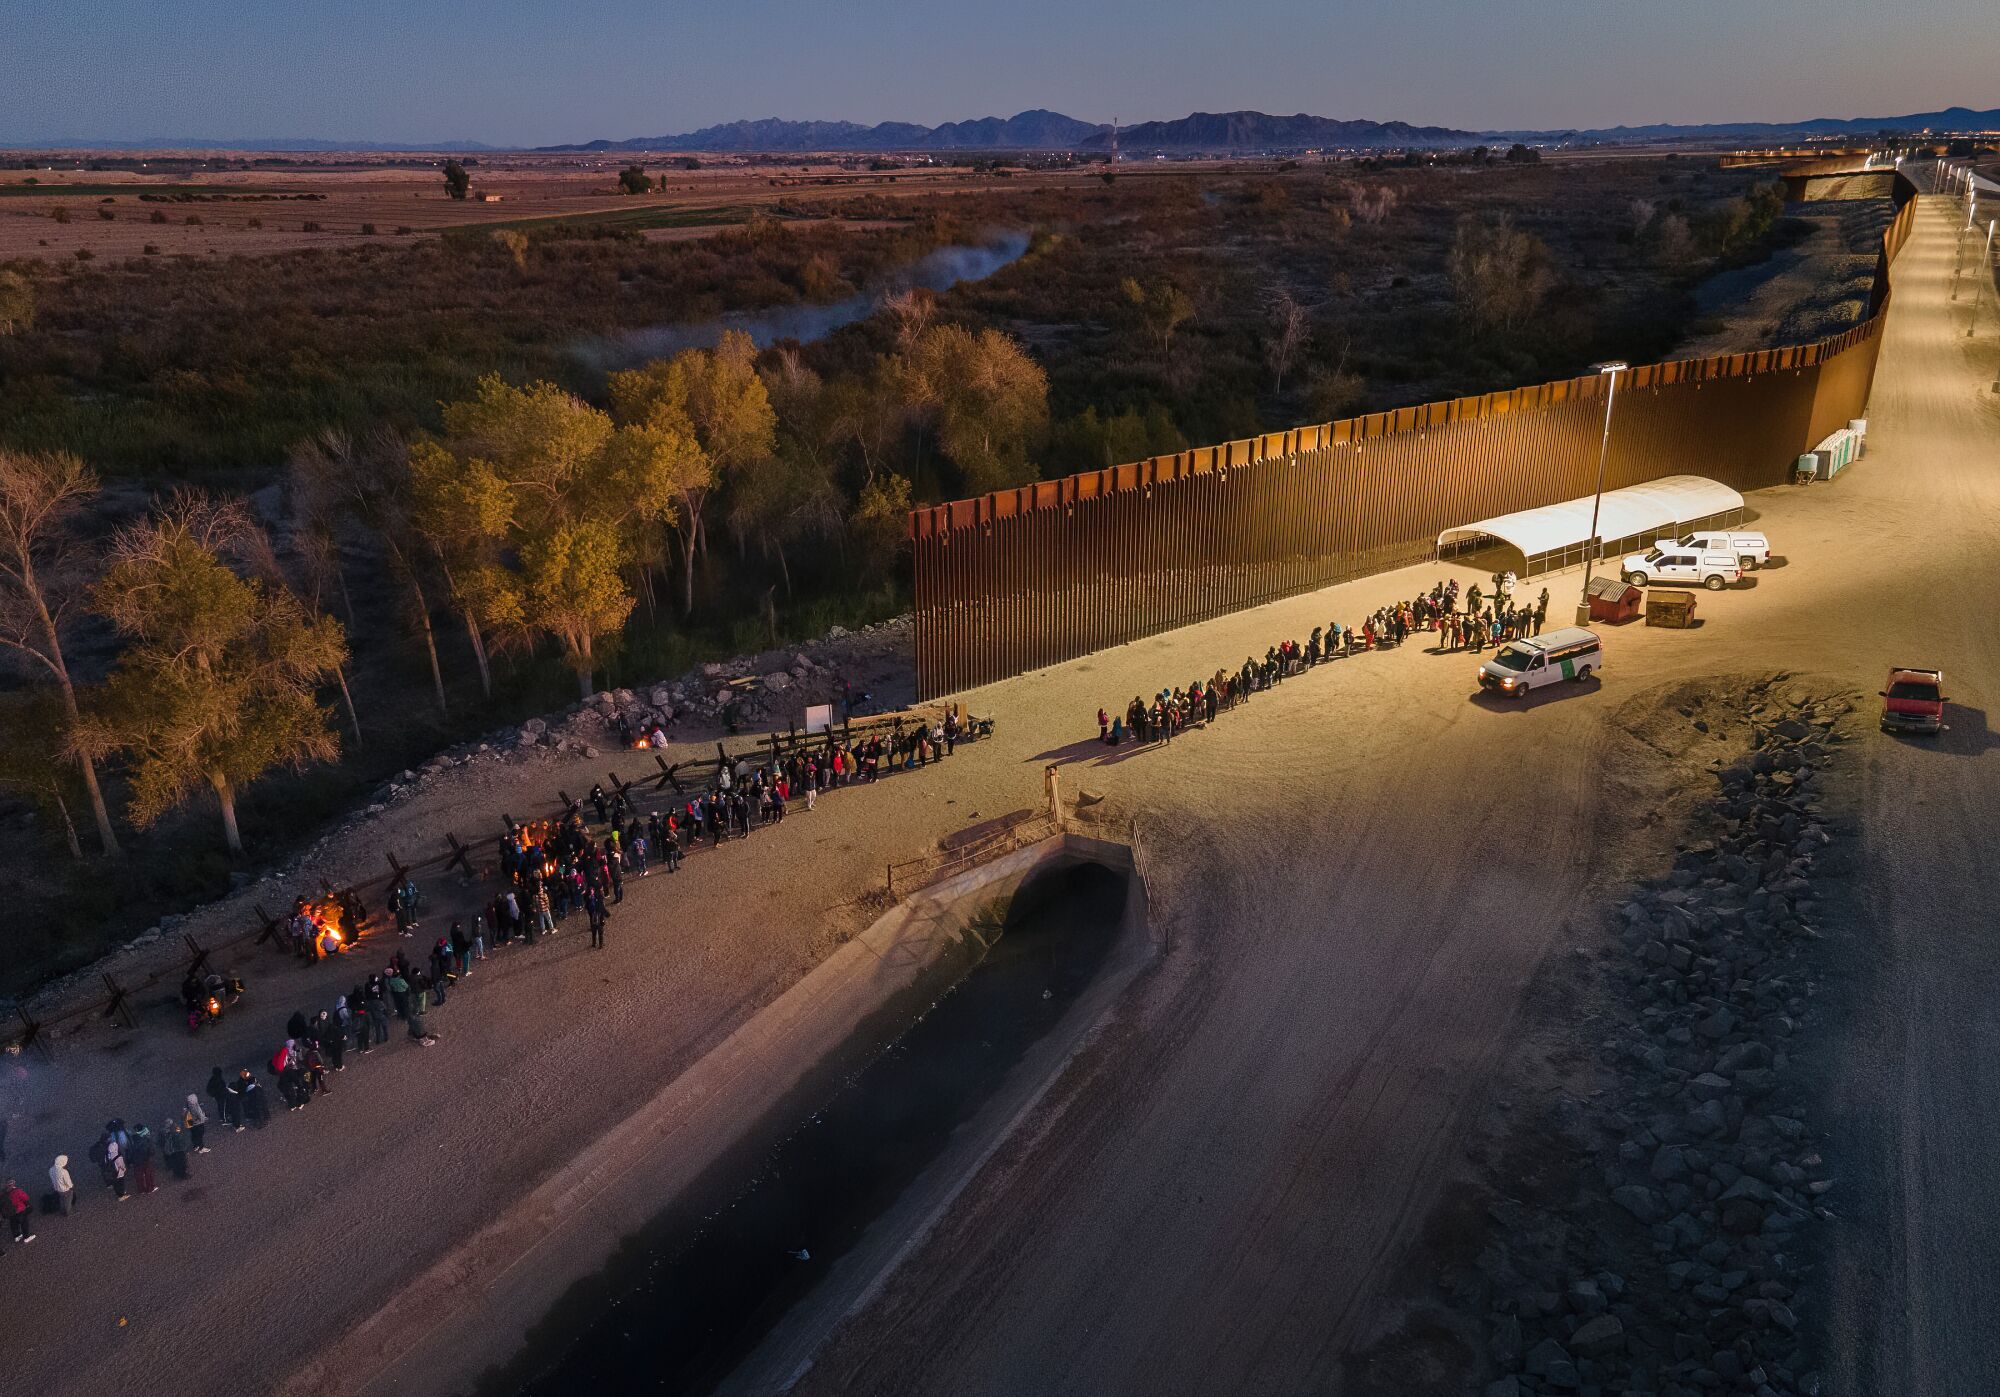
(63, 1184)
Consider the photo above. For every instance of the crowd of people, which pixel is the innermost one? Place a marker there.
(550, 870)
(1486, 619)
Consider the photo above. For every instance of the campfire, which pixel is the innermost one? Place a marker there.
(329, 936)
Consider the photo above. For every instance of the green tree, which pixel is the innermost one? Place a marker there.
(368, 481)
(1499, 273)
(574, 497)
(216, 684)
(35, 738)
(990, 402)
(714, 398)
(463, 511)
(879, 525)
(457, 183)
(1162, 309)
(17, 302)
(570, 575)
(40, 586)
(633, 179)
(516, 244)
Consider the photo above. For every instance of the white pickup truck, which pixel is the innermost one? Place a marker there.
(1672, 563)
(1752, 550)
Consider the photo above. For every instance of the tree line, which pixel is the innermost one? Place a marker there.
(535, 520)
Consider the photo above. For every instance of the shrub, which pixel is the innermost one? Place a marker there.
(59, 214)
(84, 254)
(107, 215)
(152, 249)
(193, 220)
(309, 227)
(256, 223)
(158, 216)
(368, 230)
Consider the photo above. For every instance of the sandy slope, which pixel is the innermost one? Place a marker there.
(1358, 875)
(1359, 883)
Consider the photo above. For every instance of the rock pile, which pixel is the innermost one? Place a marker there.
(763, 690)
(1680, 1273)
(750, 690)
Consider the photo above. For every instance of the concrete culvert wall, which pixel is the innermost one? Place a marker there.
(748, 1204)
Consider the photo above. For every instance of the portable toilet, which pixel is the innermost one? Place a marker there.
(1613, 600)
(1835, 454)
(1859, 426)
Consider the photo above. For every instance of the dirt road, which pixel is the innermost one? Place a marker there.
(1359, 882)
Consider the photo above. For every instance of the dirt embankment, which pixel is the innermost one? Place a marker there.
(1644, 1194)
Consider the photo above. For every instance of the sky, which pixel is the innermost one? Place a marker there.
(534, 72)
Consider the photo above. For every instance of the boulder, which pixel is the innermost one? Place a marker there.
(1642, 1203)
(1709, 1087)
(1708, 1119)
(1716, 1025)
(1604, 1334)
(777, 681)
(1546, 1355)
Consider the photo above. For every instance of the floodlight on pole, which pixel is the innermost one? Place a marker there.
(1610, 370)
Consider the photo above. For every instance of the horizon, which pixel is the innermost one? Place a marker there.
(532, 74)
(335, 144)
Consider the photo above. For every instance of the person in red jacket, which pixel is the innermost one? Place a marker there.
(15, 1202)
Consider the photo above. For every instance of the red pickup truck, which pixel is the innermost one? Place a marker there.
(1914, 701)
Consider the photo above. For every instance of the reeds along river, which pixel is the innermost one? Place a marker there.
(935, 271)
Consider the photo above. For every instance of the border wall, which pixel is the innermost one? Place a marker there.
(1028, 577)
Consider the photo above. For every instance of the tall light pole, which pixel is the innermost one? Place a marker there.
(1611, 371)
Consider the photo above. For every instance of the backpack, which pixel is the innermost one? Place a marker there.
(278, 1060)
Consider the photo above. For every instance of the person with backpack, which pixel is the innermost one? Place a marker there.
(416, 1017)
(256, 1107)
(288, 1066)
(141, 1151)
(313, 1065)
(196, 1121)
(111, 1163)
(174, 1148)
(225, 1102)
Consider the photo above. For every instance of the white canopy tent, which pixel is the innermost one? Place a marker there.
(1558, 535)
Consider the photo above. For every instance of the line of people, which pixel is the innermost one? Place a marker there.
(1485, 620)
(550, 869)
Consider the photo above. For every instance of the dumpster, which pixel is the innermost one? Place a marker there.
(1613, 599)
(1674, 610)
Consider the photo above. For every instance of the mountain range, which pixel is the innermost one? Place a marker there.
(1029, 130)
(1232, 131)
(1257, 131)
(1949, 119)
(1045, 130)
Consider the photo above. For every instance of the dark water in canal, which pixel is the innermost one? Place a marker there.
(689, 1298)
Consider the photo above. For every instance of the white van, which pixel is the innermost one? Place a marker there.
(1673, 563)
(1529, 663)
(1752, 549)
